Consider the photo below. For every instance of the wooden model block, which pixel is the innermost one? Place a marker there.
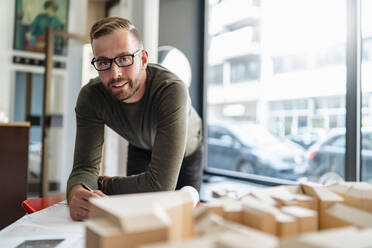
(306, 201)
(234, 213)
(248, 239)
(289, 195)
(237, 235)
(202, 242)
(307, 219)
(340, 215)
(209, 224)
(101, 233)
(258, 215)
(231, 234)
(282, 195)
(264, 196)
(268, 218)
(293, 189)
(326, 199)
(302, 199)
(340, 238)
(355, 194)
(286, 225)
(208, 208)
(232, 210)
(214, 225)
(130, 220)
(228, 208)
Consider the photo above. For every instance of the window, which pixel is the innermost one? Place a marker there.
(284, 85)
(215, 74)
(338, 142)
(366, 83)
(290, 63)
(245, 69)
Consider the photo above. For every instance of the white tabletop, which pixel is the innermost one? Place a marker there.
(47, 224)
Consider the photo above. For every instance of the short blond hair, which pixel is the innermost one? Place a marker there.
(108, 25)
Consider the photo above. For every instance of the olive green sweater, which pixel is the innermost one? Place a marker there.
(163, 121)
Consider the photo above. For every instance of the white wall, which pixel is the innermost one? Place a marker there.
(7, 9)
(144, 14)
(72, 84)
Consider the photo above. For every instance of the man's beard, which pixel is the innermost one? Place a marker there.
(126, 94)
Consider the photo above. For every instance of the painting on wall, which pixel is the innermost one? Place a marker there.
(33, 17)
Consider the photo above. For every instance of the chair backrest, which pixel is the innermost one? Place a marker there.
(36, 204)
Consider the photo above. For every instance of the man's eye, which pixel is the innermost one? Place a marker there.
(123, 60)
(103, 63)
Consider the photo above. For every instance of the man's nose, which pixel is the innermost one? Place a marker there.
(115, 70)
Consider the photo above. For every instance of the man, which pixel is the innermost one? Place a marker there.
(144, 103)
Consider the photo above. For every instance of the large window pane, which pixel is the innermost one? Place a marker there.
(366, 104)
(276, 87)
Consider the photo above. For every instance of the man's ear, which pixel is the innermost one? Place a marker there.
(144, 59)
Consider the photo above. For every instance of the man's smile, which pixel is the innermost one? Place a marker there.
(118, 85)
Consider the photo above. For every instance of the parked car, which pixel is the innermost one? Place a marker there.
(326, 158)
(251, 148)
(306, 137)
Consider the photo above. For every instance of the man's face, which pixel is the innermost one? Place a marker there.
(123, 83)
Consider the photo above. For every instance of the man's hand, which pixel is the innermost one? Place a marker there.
(79, 204)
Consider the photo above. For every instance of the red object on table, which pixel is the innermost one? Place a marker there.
(35, 204)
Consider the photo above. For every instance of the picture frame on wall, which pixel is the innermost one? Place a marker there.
(33, 18)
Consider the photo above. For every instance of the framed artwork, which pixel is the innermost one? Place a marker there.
(33, 17)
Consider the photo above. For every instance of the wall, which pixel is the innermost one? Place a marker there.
(77, 25)
(96, 10)
(7, 9)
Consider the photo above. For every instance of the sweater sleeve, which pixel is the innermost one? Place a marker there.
(88, 143)
(168, 148)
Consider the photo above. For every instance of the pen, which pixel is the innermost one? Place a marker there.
(87, 187)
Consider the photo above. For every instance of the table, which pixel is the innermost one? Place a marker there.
(48, 224)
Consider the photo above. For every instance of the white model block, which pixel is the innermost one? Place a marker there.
(248, 239)
(355, 194)
(134, 219)
(340, 215)
(332, 238)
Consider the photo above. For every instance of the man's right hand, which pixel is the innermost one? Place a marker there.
(79, 202)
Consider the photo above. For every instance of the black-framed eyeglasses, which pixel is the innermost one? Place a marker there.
(121, 61)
